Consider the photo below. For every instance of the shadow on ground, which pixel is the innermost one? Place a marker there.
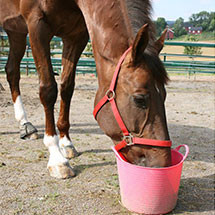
(196, 195)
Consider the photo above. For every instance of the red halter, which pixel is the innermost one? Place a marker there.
(110, 97)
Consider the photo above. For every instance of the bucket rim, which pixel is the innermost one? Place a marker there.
(153, 168)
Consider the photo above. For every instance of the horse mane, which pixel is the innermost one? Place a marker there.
(139, 13)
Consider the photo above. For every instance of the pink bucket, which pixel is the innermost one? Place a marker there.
(150, 190)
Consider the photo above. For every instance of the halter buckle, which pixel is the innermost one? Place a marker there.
(110, 94)
(128, 139)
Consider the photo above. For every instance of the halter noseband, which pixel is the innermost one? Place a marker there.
(128, 139)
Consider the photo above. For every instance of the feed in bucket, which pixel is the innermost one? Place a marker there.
(150, 190)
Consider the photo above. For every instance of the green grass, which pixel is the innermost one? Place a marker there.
(205, 36)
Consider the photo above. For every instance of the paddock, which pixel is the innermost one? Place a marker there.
(172, 56)
(26, 187)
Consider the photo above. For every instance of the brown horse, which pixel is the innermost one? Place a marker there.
(113, 26)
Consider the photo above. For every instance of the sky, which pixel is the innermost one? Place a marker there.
(173, 9)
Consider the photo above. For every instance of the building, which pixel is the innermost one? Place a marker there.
(194, 30)
(191, 29)
(169, 34)
(188, 25)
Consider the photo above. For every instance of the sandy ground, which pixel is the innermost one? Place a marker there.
(27, 189)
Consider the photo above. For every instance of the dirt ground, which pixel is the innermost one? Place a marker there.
(27, 189)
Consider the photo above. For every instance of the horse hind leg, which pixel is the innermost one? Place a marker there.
(17, 49)
(72, 50)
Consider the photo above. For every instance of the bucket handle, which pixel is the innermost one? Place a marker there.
(186, 150)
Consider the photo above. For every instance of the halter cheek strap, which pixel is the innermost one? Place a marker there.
(128, 139)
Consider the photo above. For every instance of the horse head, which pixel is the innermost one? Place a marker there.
(140, 95)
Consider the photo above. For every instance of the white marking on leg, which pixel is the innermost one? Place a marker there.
(58, 166)
(64, 141)
(19, 110)
(56, 157)
(67, 148)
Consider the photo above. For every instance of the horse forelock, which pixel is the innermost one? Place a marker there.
(156, 68)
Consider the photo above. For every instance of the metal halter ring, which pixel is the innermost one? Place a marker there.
(128, 139)
(110, 94)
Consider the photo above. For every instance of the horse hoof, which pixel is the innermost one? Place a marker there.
(28, 131)
(33, 136)
(69, 151)
(61, 171)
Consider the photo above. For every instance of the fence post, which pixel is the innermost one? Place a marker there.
(164, 58)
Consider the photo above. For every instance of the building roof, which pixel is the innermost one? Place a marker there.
(187, 24)
(195, 28)
(170, 30)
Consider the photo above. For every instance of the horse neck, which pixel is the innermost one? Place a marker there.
(112, 30)
(107, 54)
(110, 33)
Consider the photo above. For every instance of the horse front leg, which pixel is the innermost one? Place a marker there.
(17, 49)
(40, 36)
(72, 50)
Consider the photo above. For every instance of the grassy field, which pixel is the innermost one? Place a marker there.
(180, 50)
(204, 37)
(168, 49)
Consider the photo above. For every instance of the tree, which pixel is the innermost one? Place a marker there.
(160, 24)
(191, 50)
(179, 27)
(212, 22)
(212, 25)
(201, 19)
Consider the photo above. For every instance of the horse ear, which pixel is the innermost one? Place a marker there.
(140, 43)
(160, 42)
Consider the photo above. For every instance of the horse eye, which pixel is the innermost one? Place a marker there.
(141, 100)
